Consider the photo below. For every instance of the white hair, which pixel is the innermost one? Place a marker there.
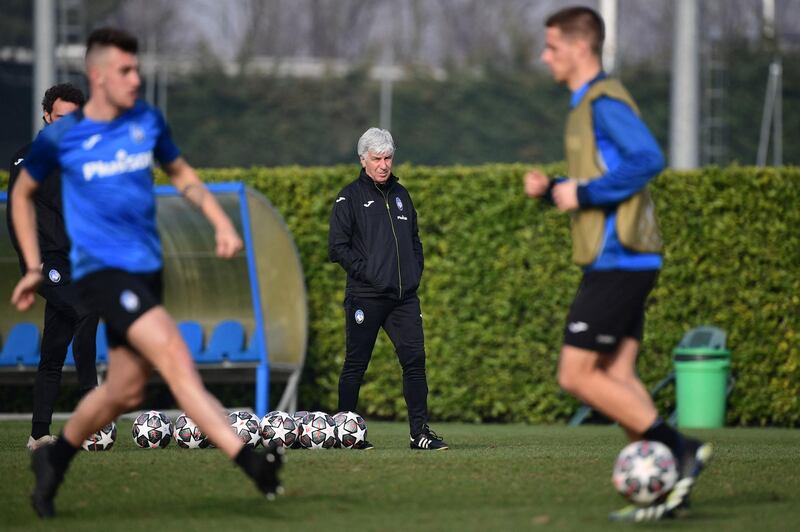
(376, 140)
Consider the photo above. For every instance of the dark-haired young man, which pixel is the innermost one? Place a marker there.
(106, 153)
(611, 156)
(65, 319)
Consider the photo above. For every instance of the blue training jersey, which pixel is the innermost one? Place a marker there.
(631, 158)
(107, 185)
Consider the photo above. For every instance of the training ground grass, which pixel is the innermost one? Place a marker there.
(494, 477)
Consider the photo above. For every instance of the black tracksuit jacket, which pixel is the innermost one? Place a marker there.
(374, 237)
(54, 243)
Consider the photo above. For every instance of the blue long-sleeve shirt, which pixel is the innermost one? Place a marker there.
(630, 157)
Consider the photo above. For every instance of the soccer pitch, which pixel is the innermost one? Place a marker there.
(494, 477)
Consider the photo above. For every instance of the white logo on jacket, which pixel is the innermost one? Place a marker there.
(340, 198)
(401, 217)
(367, 204)
(578, 327)
(123, 163)
(89, 143)
(398, 202)
(129, 301)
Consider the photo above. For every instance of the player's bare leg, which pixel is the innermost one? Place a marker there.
(621, 367)
(156, 336)
(580, 373)
(120, 392)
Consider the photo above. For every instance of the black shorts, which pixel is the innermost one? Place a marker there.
(608, 307)
(120, 298)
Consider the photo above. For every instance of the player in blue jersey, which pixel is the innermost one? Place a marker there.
(611, 157)
(105, 153)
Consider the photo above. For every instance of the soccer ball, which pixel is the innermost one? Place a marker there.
(245, 426)
(298, 421)
(278, 429)
(644, 471)
(188, 435)
(351, 429)
(152, 430)
(103, 439)
(319, 431)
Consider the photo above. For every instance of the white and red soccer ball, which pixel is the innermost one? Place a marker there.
(152, 430)
(351, 429)
(246, 427)
(102, 440)
(278, 429)
(318, 431)
(644, 472)
(188, 435)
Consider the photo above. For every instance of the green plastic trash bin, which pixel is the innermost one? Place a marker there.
(702, 366)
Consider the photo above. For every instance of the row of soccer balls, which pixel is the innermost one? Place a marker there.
(308, 430)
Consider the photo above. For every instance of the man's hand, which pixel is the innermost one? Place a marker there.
(536, 183)
(565, 195)
(24, 294)
(228, 242)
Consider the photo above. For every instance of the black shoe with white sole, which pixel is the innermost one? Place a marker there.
(427, 440)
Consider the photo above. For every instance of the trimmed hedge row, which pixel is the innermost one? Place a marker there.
(498, 282)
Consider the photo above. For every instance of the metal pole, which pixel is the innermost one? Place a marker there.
(608, 10)
(777, 124)
(386, 89)
(767, 115)
(44, 31)
(684, 105)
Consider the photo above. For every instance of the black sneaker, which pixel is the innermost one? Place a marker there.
(47, 480)
(266, 468)
(690, 465)
(428, 440)
(365, 446)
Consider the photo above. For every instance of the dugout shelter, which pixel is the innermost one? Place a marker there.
(244, 319)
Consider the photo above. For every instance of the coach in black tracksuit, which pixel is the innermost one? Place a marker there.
(64, 316)
(374, 237)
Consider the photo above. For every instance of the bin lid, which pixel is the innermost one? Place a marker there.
(686, 354)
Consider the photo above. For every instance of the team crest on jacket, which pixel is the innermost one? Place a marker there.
(129, 301)
(54, 276)
(359, 316)
(398, 202)
(137, 133)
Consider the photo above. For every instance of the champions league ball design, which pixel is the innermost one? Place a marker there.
(152, 430)
(298, 421)
(246, 426)
(102, 440)
(644, 471)
(188, 435)
(351, 429)
(319, 431)
(278, 429)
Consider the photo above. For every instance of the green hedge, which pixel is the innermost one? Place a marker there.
(498, 282)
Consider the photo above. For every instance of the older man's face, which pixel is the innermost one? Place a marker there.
(378, 166)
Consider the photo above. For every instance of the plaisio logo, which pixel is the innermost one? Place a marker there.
(121, 164)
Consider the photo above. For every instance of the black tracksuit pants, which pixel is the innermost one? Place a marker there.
(64, 319)
(402, 321)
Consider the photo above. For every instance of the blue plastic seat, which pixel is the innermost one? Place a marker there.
(70, 360)
(21, 346)
(101, 344)
(192, 333)
(227, 341)
(248, 355)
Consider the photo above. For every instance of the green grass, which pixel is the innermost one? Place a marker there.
(495, 478)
